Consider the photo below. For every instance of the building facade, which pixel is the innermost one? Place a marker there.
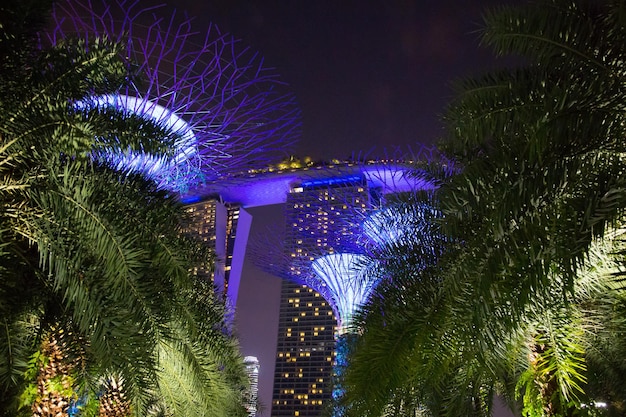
(251, 394)
(319, 220)
(224, 227)
(305, 353)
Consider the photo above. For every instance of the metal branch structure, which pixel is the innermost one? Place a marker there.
(342, 284)
(229, 112)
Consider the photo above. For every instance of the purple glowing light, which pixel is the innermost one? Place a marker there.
(229, 107)
(383, 227)
(151, 165)
(340, 282)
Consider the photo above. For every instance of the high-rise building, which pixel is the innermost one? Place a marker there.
(219, 224)
(251, 395)
(319, 217)
(305, 353)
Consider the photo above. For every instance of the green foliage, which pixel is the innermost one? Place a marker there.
(525, 296)
(97, 253)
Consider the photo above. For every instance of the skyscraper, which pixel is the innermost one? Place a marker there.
(219, 224)
(251, 394)
(319, 217)
(305, 352)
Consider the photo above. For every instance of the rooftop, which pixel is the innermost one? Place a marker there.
(272, 187)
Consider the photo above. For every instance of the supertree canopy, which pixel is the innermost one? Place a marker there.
(227, 111)
(338, 279)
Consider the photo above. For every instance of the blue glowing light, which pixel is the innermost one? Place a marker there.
(190, 199)
(399, 223)
(343, 284)
(158, 168)
(227, 111)
(334, 181)
(383, 227)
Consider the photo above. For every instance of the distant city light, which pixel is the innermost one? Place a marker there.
(252, 370)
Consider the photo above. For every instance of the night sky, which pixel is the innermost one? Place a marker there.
(369, 76)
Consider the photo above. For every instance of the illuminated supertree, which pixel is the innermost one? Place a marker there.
(226, 110)
(341, 283)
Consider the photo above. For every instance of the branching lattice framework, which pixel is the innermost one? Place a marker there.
(229, 112)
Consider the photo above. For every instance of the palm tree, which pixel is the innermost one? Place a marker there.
(543, 158)
(383, 373)
(96, 291)
(518, 302)
(419, 352)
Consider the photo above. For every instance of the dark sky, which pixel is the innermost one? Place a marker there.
(367, 74)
